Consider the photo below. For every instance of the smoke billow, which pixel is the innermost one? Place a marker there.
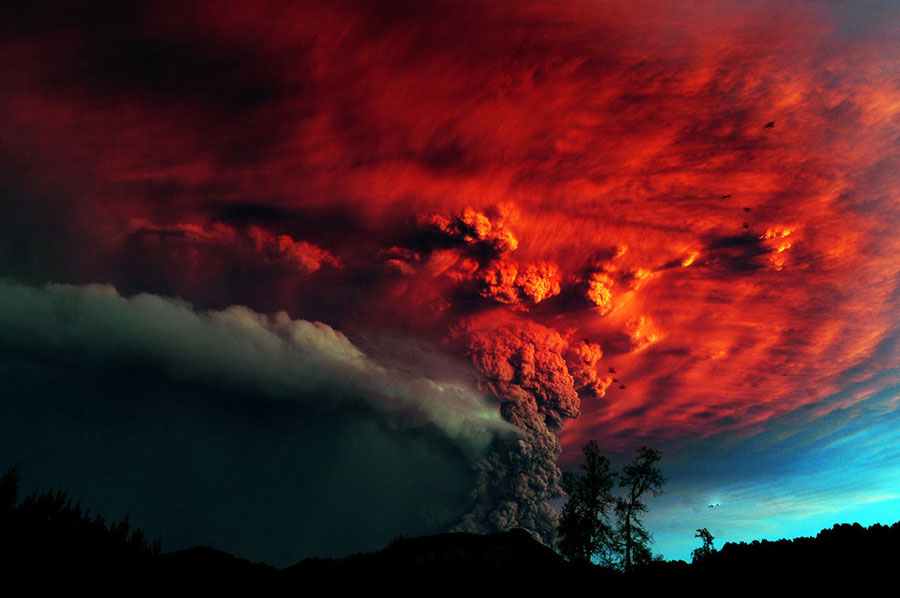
(270, 356)
(507, 282)
(473, 227)
(525, 367)
(256, 243)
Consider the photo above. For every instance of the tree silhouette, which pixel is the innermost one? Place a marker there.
(707, 549)
(638, 478)
(47, 530)
(9, 489)
(583, 527)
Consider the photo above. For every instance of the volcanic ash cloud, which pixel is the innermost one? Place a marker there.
(269, 356)
(525, 367)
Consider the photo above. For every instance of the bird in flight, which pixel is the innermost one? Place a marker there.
(770, 125)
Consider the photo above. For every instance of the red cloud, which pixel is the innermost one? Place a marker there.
(526, 364)
(304, 256)
(507, 282)
(473, 226)
(595, 125)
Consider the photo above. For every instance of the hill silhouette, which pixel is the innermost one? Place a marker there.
(46, 539)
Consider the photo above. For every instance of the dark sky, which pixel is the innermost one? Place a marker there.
(292, 279)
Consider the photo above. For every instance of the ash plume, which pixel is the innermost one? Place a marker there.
(504, 281)
(524, 366)
(270, 356)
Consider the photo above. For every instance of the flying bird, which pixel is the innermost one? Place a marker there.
(746, 209)
(727, 196)
(746, 225)
(770, 125)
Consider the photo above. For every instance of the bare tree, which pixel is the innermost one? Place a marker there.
(637, 479)
(707, 549)
(583, 527)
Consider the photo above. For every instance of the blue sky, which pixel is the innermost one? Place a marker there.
(793, 479)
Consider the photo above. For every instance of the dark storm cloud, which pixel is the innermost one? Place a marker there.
(735, 253)
(179, 70)
(267, 480)
(270, 356)
(271, 437)
(243, 213)
(32, 246)
(131, 48)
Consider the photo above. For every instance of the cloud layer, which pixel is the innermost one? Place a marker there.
(95, 381)
(238, 350)
(693, 208)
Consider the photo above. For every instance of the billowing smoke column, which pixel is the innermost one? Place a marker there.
(606, 172)
(537, 375)
(524, 366)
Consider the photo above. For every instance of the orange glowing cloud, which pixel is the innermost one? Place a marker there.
(599, 291)
(306, 257)
(507, 282)
(470, 167)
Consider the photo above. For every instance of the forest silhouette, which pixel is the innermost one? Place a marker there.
(47, 539)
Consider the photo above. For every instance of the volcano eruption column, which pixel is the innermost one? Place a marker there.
(579, 206)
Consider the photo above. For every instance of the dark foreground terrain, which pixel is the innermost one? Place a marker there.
(48, 540)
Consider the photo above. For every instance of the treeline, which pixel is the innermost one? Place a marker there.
(48, 538)
(50, 529)
(843, 547)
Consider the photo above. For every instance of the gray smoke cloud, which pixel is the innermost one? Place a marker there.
(266, 436)
(524, 367)
(272, 356)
